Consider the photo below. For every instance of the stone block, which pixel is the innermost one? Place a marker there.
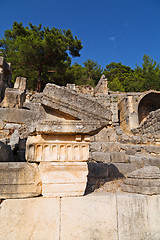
(63, 190)
(17, 115)
(119, 157)
(130, 149)
(55, 148)
(137, 160)
(152, 149)
(63, 178)
(101, 157)
(137, 217)
(30, 219)
(142, 160)
(21, 84)
(13, 98)
(106, 135)
(95, 146)
(154, 216)
(116, 170)
(90, 217)
(73, 104)
(19, 180)
(102, 86)
(110, 147)
(152, 161)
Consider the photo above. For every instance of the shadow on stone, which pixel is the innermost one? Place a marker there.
(6, 154)
(19, 151)
(99, 174)
(114, 173)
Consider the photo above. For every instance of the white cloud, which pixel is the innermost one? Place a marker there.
(112, 39)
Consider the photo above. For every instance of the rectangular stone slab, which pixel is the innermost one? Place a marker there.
(63, 179)
(138, 217)
(19, 180)
(63, 190)
(89, 218)
(30, 219)
(19, 191)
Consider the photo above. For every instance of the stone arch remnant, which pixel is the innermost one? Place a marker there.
(150, 102)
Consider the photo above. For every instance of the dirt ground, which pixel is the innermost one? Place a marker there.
(111, 186)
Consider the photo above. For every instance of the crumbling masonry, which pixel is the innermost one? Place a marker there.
(68, 141)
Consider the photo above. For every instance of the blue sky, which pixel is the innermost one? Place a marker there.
(110, 30)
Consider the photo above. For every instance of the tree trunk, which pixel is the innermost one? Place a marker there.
(39, 82)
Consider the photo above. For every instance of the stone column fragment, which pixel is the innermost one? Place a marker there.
(63, 163)
(145, 180)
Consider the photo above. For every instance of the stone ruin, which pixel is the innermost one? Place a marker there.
(60, 132)
(67, 142)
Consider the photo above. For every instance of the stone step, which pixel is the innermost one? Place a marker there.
(145, 160)
(129, 149)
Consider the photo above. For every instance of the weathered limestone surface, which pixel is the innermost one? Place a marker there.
(15, 97)
(100, 157)
(61, 126)
(63, 178)
(63, 166)
(147, 172)
(138, 217)
(96, 216)
(21, 84)
(89, 218)
(102, 86)
(119, 157)
(30, 219)
(73, 104)
(19, 180)
(17, 115)
(106, 135)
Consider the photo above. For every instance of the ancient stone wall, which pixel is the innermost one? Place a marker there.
(150, 127)
(75, 144)
(102, 216)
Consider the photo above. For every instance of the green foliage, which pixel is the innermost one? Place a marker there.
(138, 80)
(88, 74)
(93, 72)
(44, 55)
(118, 73)
(115, 85)
(150, 73)
(35, 51)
